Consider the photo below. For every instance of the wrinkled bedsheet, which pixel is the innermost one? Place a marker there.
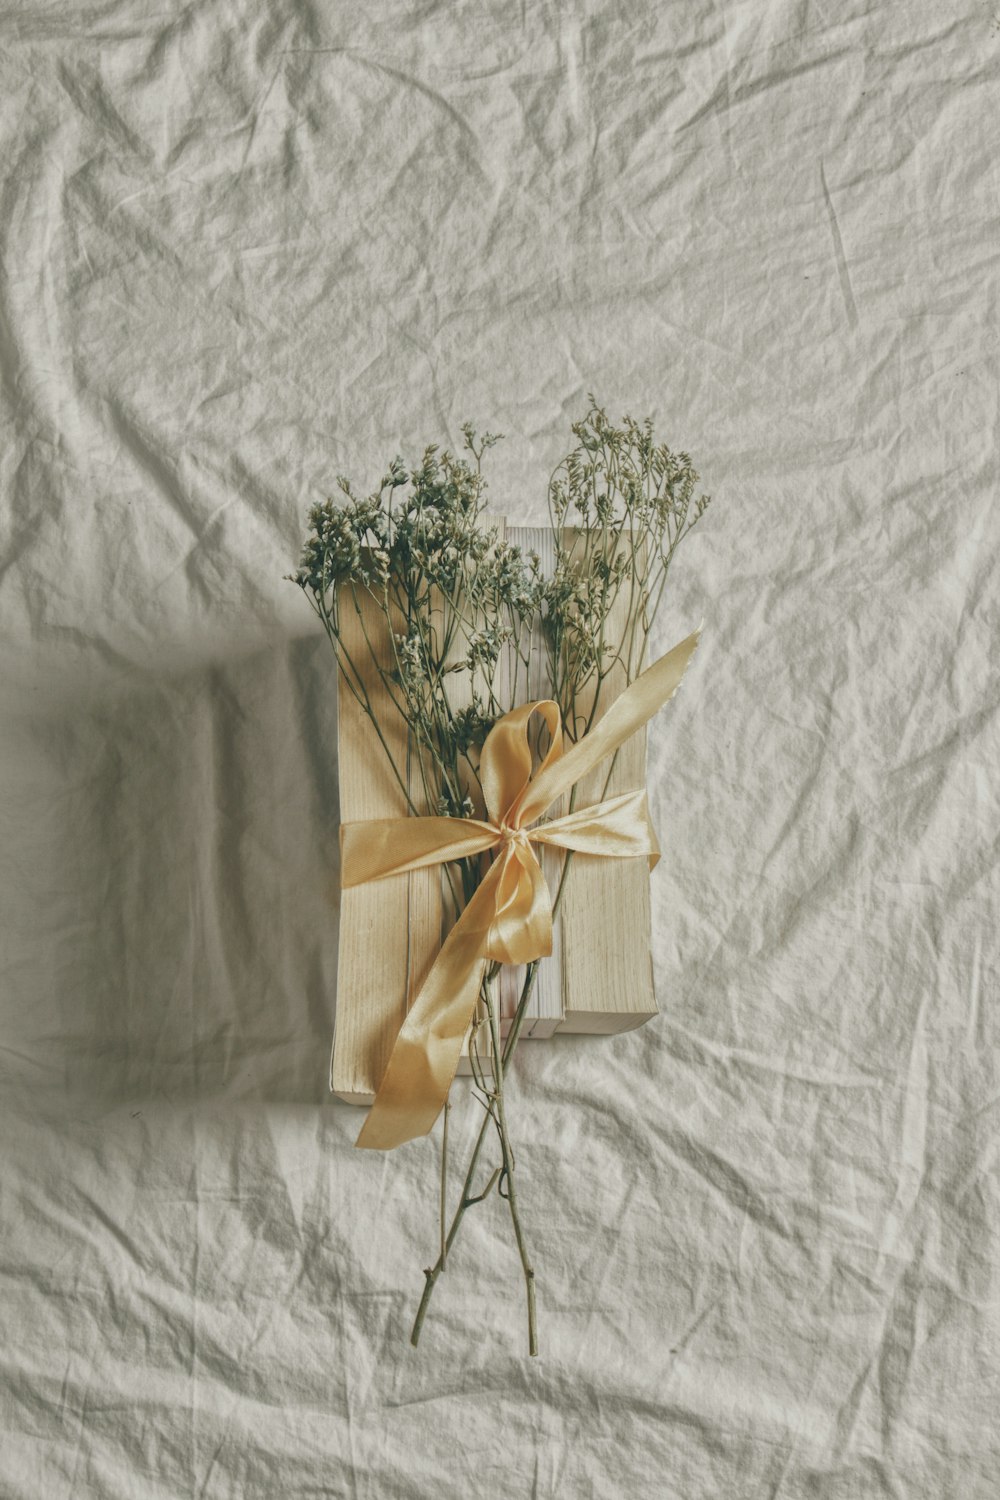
(246, 248)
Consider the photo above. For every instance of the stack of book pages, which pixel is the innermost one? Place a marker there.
(599, 978)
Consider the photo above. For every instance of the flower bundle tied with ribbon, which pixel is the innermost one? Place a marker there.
(444, 620)
(508, 918)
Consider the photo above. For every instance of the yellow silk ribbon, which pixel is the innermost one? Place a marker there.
(508, 919)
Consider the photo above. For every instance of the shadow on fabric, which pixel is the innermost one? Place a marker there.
(170, 867)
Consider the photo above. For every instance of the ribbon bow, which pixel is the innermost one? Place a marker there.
(508, 919)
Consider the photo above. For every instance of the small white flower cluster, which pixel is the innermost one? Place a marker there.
(421, 548)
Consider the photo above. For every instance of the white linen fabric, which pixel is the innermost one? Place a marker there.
(246, 248)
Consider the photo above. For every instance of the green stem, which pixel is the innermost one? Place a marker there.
(508, 1170)
(444, 1181)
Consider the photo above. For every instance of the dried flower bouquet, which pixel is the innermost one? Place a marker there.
(465, 613)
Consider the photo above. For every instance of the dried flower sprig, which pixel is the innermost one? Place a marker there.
(461, 606)
(629, 502)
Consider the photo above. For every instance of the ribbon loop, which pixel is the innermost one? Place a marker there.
(505, 762)
(508, 919)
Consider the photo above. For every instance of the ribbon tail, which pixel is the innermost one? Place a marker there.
(619, 828)
(424, 1059)
(629, 711)
(378, 847)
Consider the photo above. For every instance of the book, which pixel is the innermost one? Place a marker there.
(599, 978)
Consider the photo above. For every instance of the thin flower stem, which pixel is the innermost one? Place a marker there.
(444, 1182)
(508, 1169)
(468, 1199)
